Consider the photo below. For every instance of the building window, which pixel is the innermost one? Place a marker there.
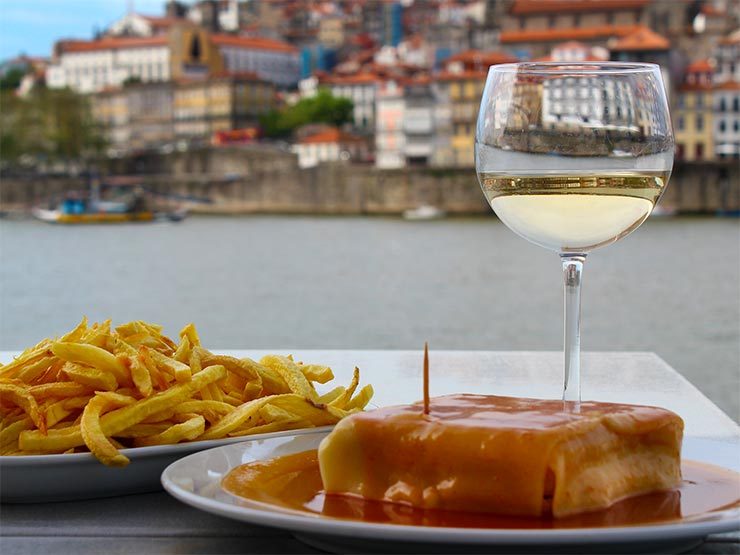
(699, 151)
(699, 122)
(736, 104)
(681, 101)
(722, 126)
(680, 123)
(679, 151)
(551, 22)
(722, 105)
(736, 126)
(699, 100)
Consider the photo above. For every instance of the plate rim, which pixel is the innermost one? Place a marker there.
(135, 453)
(295, 521)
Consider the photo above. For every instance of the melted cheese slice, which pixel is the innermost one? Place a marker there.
(504, 455)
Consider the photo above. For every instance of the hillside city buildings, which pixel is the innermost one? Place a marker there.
(413, 69)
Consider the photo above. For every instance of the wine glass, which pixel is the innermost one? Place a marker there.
(573, 156)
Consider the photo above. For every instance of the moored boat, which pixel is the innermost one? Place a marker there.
(127, 204)
(60, 217)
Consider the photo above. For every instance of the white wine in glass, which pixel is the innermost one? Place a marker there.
(572, 157)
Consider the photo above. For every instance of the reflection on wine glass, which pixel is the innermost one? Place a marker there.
(573, 156)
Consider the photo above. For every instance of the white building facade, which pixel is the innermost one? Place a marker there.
(727, 97)
(88, 66)
(727, 56)
(418, 123)
(589, 102)
(727, 120)
(272, 60)
(361, 90)
(331, 145)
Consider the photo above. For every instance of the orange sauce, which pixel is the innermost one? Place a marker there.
(293, 482)
(504, 454)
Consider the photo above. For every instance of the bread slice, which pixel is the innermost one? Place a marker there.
(504, 455)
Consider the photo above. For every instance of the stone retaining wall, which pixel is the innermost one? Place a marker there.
(267, 180)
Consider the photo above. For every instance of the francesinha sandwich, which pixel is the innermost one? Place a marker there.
(504, 455)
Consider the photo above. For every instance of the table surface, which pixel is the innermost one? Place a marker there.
(157, 523)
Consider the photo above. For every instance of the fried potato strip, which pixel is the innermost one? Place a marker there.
(92, 430)
(22, 398)
(102, 389)
(93, 356)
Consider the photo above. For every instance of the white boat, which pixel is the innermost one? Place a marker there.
(424, 212)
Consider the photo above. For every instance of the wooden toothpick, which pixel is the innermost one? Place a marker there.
(426, 378)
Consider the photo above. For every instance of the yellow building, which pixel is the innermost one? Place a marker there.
(463, 90)
(110, 109)
(142, 115)
(331, 30)
(204, 107)
(692, 116)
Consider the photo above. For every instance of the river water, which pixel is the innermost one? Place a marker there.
(673, 287)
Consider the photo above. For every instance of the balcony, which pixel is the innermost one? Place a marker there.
(418, 126)
(418, 149)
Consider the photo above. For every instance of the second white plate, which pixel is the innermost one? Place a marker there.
(41, 478)
(196, 480)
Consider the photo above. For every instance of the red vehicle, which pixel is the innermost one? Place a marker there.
(237, 136)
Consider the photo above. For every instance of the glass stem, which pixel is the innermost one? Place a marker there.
(572, 269)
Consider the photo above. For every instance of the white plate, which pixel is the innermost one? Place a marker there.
(40, 478)
(196, 480)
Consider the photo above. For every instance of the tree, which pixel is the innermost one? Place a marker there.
(47, 124)
(11, 79)
(321, 108)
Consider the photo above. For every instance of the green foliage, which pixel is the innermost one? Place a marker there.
(48, 124)
(11, 80)
(321, 108)
(131, 80)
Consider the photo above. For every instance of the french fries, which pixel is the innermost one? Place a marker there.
(99, 389)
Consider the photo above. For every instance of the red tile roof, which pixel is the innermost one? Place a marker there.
(111, 43)
(332, 135)
(480, 58)
(569, 33)
(695, 87)
(732, 38)
(364, 78)
(641, 40)
(253, 43)
(728, 86)
(530, 7)
(700, 66)
(419, 79)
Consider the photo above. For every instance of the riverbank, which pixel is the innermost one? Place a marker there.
(258, 180)
(383, 283)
